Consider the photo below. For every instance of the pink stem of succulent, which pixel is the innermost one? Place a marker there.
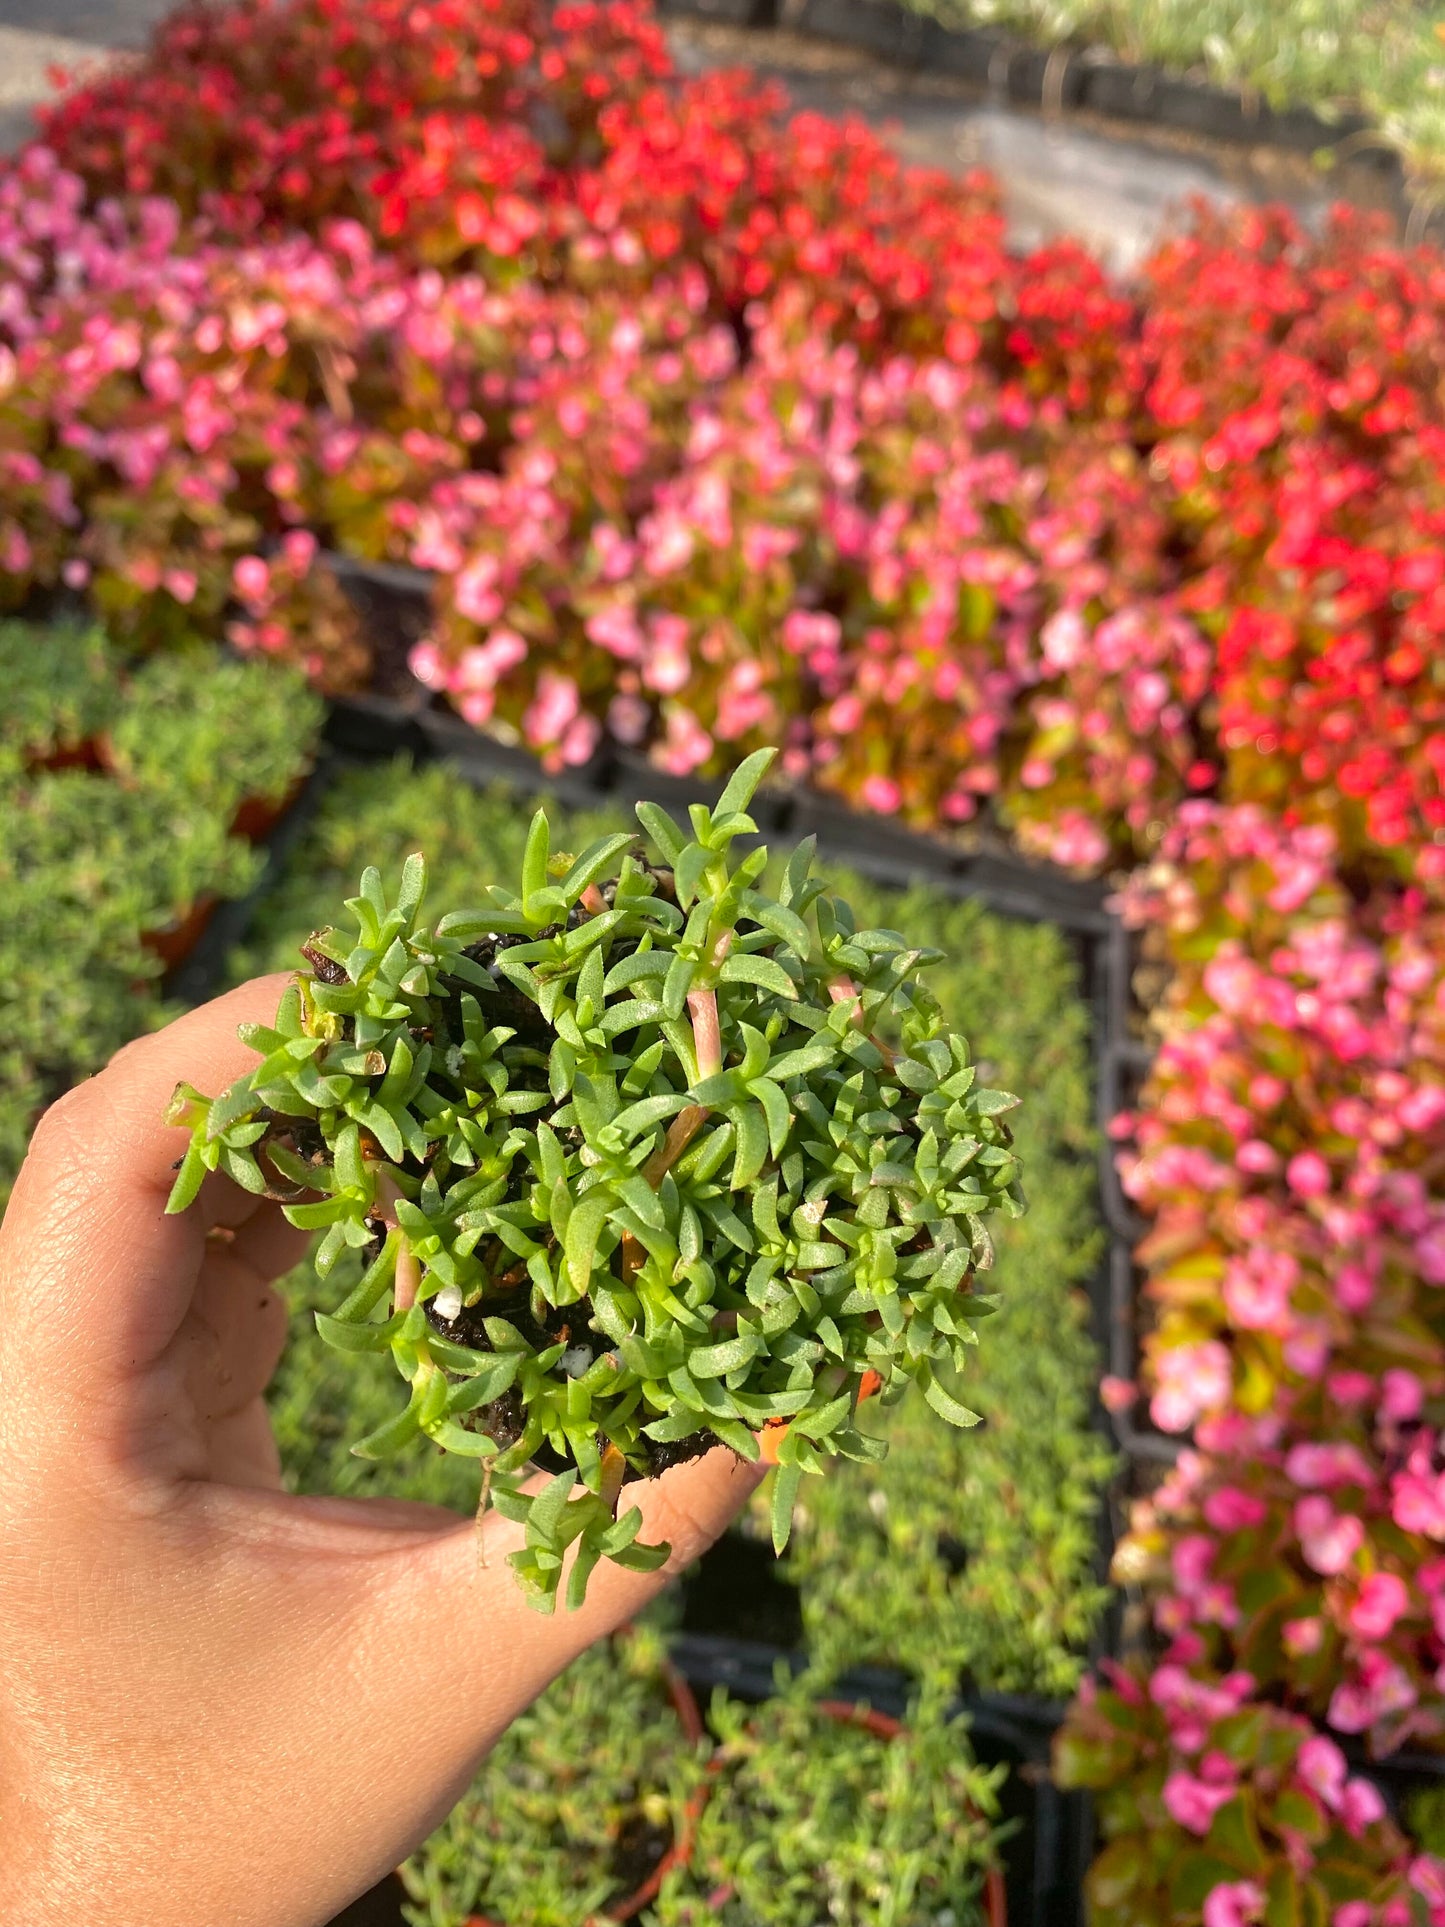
(706, 1036)
(408, 1266)
(707, 1044)
(408, 1277)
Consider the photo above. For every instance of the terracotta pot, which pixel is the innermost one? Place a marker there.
(257, 816)
(680, 1852)
(175, 941)
(85, 755)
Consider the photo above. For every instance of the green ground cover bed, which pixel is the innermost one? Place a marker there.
(120, 788)
(1380, 58)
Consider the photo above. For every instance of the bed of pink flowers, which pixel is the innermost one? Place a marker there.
(716, 430)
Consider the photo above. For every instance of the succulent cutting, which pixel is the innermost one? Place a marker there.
(644, 1157)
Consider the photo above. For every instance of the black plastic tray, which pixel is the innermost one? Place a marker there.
(1053, 79)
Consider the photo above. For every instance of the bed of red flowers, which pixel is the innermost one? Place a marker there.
(719, 427)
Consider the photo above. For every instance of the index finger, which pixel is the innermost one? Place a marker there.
(92, 1272)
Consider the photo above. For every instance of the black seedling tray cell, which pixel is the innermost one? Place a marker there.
(482, 760)
(371, 727)
(1147, 95)
(892, 32)
(737, 1591)
(1059, 78)
(873, 844)
(379, 1906)
(731, 13)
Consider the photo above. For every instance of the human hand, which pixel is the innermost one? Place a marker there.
(220, 1703)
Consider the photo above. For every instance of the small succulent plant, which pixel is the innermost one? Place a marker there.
(644, 1158)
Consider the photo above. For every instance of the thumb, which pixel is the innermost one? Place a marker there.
(421, 1648)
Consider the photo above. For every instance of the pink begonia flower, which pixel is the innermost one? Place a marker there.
(882, 794)
(1427, 1877)
(616, 629)
(628, 717)
(1402, 1395)
(1321, 1765)
(1230, 1510)
(1350, 1388)
(1308, 1175)
(1257, 1289)
(556, 703)
(579, 739)
(428, 665)
(1360, 1807)
(1302, 1636)
(1430, 1255)
(1192, 1803)
(476, 706)
(474, 592)
(667, 665)
(1117, 1395)
(686, 744)
(252, 578)
(1190, 1560)
(1382, 1688)
(1178, 1692)
(1417, 1496)
(1191, 1379)
(1328, 1464)
(1234, 1903)
(1354, 1913)
(1354, 1287)
(1307, 1350)
(1218, 1769)
(763, 545)
(1076, 842)
(1063, 639)
(1257, 1158)
(1328, 1540)
(1383, 1598)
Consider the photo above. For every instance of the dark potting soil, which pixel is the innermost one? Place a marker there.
(640, 1845)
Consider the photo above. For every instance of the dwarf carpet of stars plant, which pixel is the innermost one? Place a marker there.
(645, 1158)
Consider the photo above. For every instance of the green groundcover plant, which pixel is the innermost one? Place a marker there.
(644, 1158)
(818, 1818)
(1011, 1501)
(61, 689)
(1382, 57)
(101, 855)
(782, 1815)
(978, 1554)
(575, 1804)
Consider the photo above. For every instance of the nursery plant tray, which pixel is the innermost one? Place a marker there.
(1047, 1855)
(1050, 79)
